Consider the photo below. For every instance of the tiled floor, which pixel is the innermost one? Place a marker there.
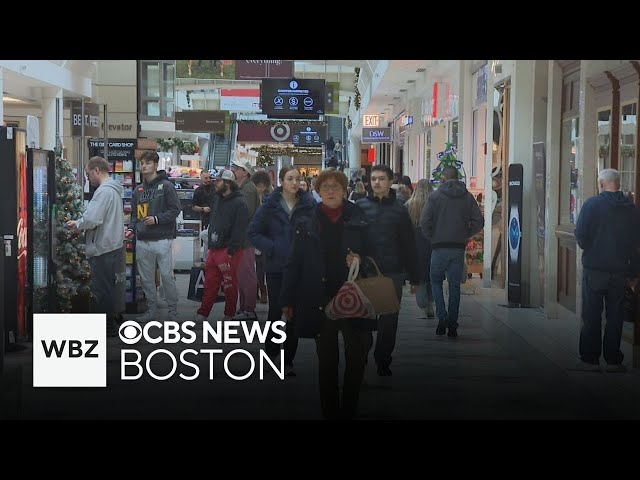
(505, 364)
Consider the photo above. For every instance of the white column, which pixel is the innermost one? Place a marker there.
(48, 121)
(538, 125)
(488, 182)
(354, 153)
(1, 103)
(465, 116)
(552, 187)
(520, 151)
(586, 155)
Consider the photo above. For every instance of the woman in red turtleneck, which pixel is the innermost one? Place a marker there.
(326, 240)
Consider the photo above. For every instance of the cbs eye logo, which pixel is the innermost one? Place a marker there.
(130, 332)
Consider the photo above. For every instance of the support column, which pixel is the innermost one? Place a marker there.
(465, 116)
(1, 103)
(520, 151)
(539, 133)
(354, 153)
(552, 187)
(488, 181)
(586, 155)
(48, 121)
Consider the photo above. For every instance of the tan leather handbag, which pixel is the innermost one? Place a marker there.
(381, 291)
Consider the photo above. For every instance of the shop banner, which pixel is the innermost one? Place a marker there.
(240, 99)
(91, 119)
(514, 234)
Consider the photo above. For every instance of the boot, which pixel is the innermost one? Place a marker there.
(262, 293)
(429, 310)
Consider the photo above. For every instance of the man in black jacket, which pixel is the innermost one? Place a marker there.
(202, 198)
(228, 224)
(154, 208)
(450, 217)
(608, 232)
(393, 246)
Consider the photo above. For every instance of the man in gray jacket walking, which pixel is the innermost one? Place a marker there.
(103, 221)
(450, 217)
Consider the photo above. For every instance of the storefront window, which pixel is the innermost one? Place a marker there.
(569, 171)
(627, 164)
(157, 89)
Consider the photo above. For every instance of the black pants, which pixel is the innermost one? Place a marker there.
(598, 288)
(106, 274)
(387, 329)
(274, 286)
(355, 351)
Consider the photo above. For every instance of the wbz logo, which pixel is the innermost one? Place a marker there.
(74, 349)
(69, 350)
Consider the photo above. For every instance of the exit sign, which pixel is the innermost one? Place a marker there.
(371, 121)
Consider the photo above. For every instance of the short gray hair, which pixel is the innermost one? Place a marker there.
(609, 175)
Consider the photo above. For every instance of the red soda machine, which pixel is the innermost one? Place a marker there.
(27, 184)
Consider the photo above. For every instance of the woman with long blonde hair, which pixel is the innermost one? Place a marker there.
(415, 205)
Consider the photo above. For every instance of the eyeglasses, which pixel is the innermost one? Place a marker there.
(331, 187)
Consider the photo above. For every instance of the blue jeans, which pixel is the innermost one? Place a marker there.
(600, 288)
(451, 262)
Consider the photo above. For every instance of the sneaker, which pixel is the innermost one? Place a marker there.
(586, 367)
(441, 329)
(199, 318)
(246, 316)
(453, 332)
(289, 371)
(174, 317)
(616, 368)
(161, 303)
(146, 316)
(384, 372)
(228, 317)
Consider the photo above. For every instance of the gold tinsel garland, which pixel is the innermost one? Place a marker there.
(267, 154)
(277, 122)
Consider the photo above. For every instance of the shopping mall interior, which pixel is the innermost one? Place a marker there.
(547, 127)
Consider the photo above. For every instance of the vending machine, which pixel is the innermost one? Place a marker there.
(27, 184)
(13, 228)
(41, 188)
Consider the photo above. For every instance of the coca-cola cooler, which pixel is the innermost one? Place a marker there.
(27, 183)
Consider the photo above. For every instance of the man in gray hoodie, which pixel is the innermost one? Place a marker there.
(450, 217)
(103, 221)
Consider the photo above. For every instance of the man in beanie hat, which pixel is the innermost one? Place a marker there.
(247, 279)
(228, 222)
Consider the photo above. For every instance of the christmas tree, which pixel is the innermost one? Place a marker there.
(447, 159)
(73, 273)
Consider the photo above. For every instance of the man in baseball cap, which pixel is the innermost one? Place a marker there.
(228, 223)
(244, 164)
(247, 279)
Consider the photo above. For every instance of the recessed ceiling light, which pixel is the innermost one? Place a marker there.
(8, 99)
(411, 81)
(402, 90)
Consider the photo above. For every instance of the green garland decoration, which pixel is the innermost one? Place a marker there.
(164, 145)
(349, 122)
(267, 154)
(184, 147)
(358, 97)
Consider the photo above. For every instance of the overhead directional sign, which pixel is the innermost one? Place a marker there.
(376, 135)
